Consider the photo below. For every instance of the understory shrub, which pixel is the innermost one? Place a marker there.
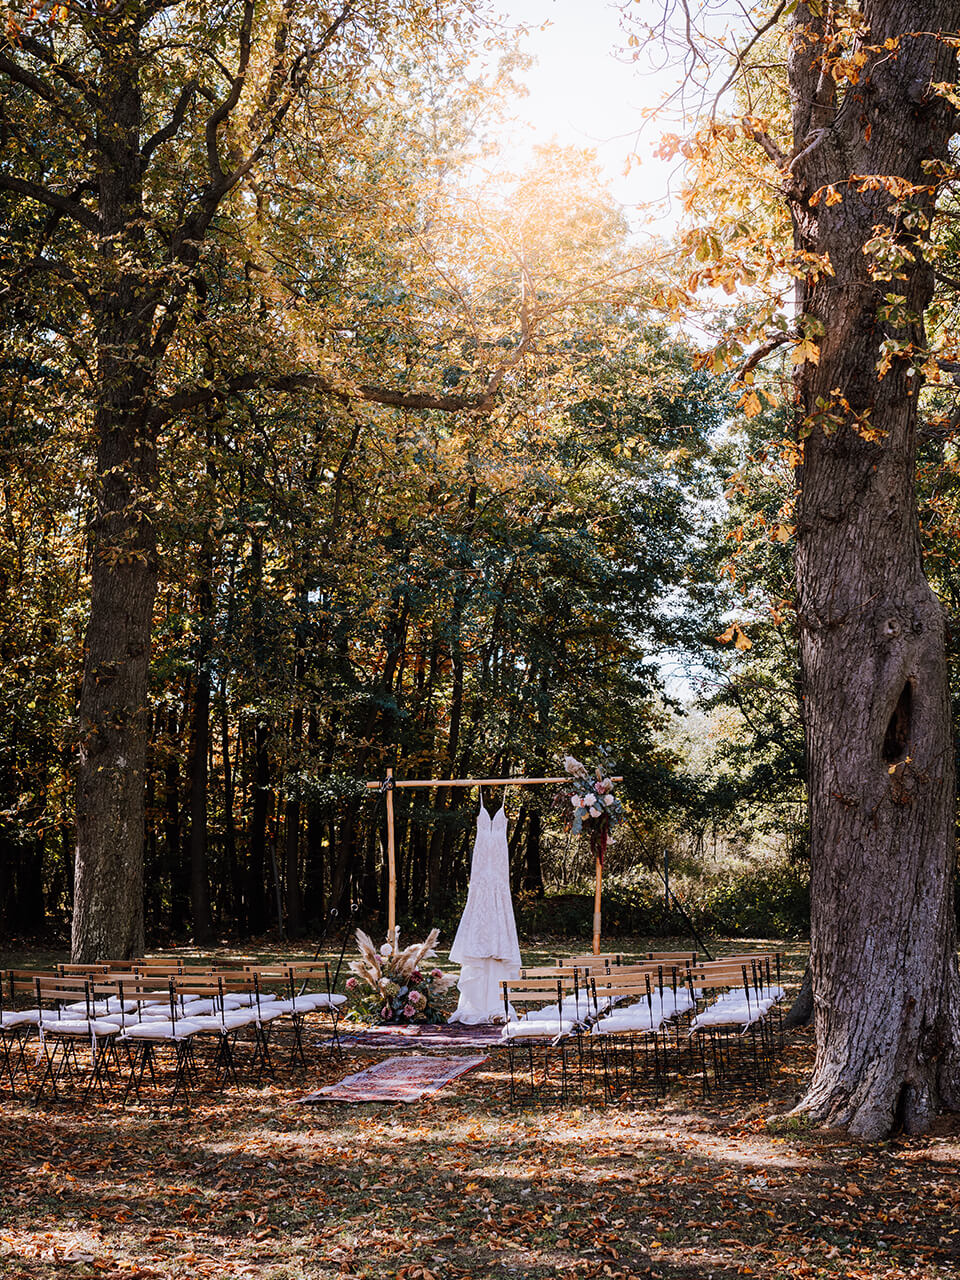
(766, 900)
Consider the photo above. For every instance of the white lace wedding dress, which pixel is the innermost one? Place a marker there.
(486, 946)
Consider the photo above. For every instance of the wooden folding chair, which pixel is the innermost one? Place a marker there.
(590, 961)
(294, 978)
(631, 1034)
(733, 1025)
(18, 1024)
(237, 1006)
(69, 1020)
(151, 1017)
(543, 1033)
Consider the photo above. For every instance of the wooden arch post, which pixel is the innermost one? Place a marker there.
(596, 906)
(391, 865)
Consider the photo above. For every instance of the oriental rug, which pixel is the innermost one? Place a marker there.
(406, 1079)
(422, 1036)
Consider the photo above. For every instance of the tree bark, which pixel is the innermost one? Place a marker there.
(258, 911)
(872, 635)
(108, 905)
(198, 773)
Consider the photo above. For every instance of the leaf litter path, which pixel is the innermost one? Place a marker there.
(461, 1186)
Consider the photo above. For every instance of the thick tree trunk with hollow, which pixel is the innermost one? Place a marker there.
(872, 632)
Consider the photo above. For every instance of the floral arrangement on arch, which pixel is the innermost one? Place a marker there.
(588, 803)
(395, 986)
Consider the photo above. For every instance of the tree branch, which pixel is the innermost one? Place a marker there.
(763, 139)
(763, 351)
(20, 75)
(48, 56)
(220, 113)
(169, 130)
(63, 204)
(193, 397)
(740, 54)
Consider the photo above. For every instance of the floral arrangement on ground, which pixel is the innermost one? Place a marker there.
(393, 986)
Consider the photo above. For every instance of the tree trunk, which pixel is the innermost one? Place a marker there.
(872, 634)
(229, 824)
(291, 821)
(801, 1011)
(108, 905)
(257, 906)
(533, 871)
(198, 775)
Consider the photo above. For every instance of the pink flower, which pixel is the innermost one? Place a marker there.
(436, 973)
(386, 1013)
(351, 984)
(408, 1011)
(416, 976)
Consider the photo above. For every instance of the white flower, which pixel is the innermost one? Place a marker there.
(386, 949)
(608, 801)
(589, 799)
(574, 766)
(594, 812)
(576, 801)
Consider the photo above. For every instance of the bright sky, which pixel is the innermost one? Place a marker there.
(584, 92)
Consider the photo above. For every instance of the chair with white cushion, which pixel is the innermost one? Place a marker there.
(632, 1034)
(237, 1008)
(732, 1029)
(541, 1032)
(68, 1026)
(149, 1018)
(18, 1024)
(293, 981)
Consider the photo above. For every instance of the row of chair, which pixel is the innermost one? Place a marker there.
(594, 1024)
(89, 1021)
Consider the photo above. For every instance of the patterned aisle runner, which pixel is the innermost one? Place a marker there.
(416, 1036)
(406, 1079)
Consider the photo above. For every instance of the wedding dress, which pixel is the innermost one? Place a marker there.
(486, 946)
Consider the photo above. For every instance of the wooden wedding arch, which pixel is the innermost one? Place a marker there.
(389, 784)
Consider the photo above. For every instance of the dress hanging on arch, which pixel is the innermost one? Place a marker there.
(486, 946)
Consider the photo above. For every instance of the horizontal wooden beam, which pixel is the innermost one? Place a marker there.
(480, 782)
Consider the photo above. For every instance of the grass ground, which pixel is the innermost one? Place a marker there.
(253, 1184)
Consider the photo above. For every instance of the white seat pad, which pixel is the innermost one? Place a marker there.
(730, 1015)
(247, 1000)
(19, 1017)
(268, 1012)
(161, 1030)
(312, 1000)
(539, 1028)
(100, 1007)
(232, 1020)
(633, 1019)
(50, 1024)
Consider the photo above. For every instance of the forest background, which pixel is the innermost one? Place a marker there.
(347, 583)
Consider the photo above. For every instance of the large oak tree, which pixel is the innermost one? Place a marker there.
(857, 163)
(128, 127)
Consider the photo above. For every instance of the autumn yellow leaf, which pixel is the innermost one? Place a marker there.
(805, 350)
(750, 404)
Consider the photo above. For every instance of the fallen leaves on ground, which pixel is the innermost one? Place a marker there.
(249, 1184)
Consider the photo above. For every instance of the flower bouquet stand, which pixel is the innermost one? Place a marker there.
(397, 988)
